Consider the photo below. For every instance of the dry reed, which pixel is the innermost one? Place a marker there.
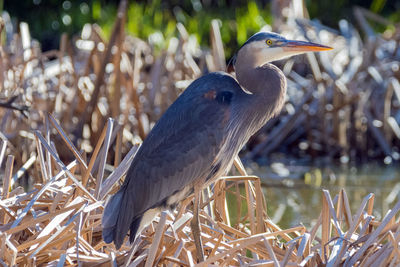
(70, 160)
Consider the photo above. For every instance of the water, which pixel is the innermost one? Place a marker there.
(294, 193)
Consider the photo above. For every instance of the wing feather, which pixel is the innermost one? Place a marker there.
(180, 149)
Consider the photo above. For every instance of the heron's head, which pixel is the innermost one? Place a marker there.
(265, 47)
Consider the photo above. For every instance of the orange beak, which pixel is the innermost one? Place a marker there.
(302, 46)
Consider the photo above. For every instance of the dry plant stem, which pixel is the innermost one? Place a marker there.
(7, 183)
(7, 176)
(99, 180)
(195, 224)
(118, 173)
(116, 92)
(156, 241)
(373, 236)
(3, 147)
(217, 47)
(53, 154)
(87, 173)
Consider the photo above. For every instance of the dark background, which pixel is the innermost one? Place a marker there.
(49, 18)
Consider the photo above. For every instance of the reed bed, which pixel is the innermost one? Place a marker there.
(72, 119)
(58, 222)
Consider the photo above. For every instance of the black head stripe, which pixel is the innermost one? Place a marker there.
(262, 36)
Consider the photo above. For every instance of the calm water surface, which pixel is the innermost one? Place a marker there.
(294, 195)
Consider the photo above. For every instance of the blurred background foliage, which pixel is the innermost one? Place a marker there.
(156, 20)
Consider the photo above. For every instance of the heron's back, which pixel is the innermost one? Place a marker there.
(183, 148)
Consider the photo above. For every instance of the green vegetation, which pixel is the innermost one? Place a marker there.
(158, 19)
(153, 19)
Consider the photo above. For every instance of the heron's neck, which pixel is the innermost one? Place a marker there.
(246, 70)
(257, 76)
(265, 81)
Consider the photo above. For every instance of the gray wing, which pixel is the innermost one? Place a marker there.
(181, 148)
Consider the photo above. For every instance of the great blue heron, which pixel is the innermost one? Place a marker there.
(200, 134)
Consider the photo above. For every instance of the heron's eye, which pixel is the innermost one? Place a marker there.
(269, 42)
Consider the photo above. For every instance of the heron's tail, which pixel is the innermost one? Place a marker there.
(114, 230)
(110, 217)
